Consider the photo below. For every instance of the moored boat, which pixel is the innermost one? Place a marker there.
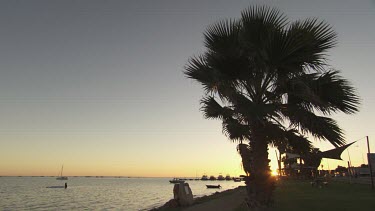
(204, 177)
(213, 186)
(61, 177)
(236, 179)
(220, 177)
(176, 180)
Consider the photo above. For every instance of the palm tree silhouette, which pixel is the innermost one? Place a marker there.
(262, 75)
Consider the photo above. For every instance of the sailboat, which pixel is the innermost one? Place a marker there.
(61, 177)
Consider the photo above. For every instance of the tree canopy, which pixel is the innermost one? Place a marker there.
(266, 70)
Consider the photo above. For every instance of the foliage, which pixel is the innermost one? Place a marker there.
(341, 169)
(266, 78)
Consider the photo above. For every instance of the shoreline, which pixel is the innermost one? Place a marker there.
(226, 200)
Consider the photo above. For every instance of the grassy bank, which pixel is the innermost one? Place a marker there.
(299, 195)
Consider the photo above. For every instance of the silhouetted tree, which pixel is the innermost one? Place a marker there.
(341, 169)
(312, 160)
(290, 141)
(262, 73)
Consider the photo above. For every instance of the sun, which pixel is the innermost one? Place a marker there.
(274, 173)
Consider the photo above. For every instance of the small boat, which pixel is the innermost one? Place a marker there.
(213, 186)
(220, 177)
(61, 177)
(59, 186)
(176, 180)
(204, 177)
(236, 179)
(212, 178)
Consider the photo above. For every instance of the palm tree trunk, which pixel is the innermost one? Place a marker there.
(279, 163)
(260, 184)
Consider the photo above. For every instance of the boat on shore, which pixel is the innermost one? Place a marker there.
(61, 177)
(213, 186)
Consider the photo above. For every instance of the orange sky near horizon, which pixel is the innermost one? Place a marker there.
(230, 163)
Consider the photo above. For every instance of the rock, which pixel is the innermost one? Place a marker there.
(182, 193)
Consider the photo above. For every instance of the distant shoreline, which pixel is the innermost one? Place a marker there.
(188, 178)
(88, 176)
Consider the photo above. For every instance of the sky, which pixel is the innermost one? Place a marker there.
(98, 86)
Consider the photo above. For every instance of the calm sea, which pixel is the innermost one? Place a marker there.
(30, 193)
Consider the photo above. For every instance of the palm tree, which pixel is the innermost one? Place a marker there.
(262, 73)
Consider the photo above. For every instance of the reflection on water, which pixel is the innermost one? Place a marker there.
(30, 193)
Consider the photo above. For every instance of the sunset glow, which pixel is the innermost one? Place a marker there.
(99, 87)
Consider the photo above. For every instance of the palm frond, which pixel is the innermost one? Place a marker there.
(290, 141)
(258, 23)
(320, 127)
(327, 92)
(264, 15)
(222, 36)
(211, 79)
(213, 110)
(309, 41)
(198, 69)
(336, 93)
(245, 151)
(298, 143)
(234, 130)
(253, 112)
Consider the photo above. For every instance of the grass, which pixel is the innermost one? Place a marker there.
(299, 195)
(293, 195)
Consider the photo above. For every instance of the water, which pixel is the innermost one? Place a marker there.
(30, 193)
